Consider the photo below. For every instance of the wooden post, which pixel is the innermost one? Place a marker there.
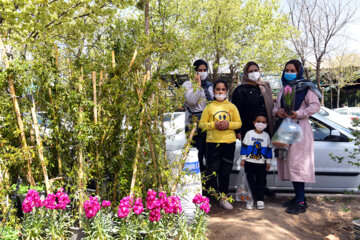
(39, 147)
(24, 145)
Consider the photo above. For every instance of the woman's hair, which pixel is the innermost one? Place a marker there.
(249, 64)
(221, 81)
(296, 63)
(200, 62)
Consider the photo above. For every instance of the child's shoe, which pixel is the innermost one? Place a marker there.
(260, 205)
(226, 205)
(249, 205)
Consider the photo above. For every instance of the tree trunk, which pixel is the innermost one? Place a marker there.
(216, 66)
(232, 69)
(331, 98)
(40, 148)
(24, 145)
(338, 98)
(318, 79)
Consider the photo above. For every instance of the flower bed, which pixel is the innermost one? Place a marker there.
(161, 217)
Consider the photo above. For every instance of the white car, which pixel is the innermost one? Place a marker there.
(336, 117)
(329, 137)
(351, 112)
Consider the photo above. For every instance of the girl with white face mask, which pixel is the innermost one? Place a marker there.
(220, 119)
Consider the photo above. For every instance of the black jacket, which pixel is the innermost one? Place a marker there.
(249, 101)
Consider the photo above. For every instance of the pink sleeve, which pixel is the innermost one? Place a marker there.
(311, 106)
(277, 104)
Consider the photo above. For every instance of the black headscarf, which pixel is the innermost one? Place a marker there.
(300, 84)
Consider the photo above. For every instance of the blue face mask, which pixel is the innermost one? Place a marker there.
(290, 76)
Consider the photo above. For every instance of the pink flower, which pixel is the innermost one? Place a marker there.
(28, 205)
(205, 206)
(204, 201)
(91, 207)
(138, 206)
(125, 206)
(62, 199)
(155, 215)
(106, 203)
(50, 201)
(198, 199)
(287, 90)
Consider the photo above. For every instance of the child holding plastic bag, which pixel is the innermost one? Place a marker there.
(256, 155)
(220, 119)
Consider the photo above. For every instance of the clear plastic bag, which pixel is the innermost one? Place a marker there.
(288, 133)
(243, 191)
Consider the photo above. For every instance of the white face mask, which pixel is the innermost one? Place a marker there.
(203, 75)
(220, 96)
(260, 126)
(254, 76)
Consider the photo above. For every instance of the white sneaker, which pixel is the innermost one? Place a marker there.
(260, 205)
(226, 205)
(249, 205)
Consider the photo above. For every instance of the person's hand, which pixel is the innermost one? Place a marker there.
(293, 115)
(281, 113)
(267, 166)
(238, 136)
(242, 164)
(218, 125)
(225, 124)
(198, 79)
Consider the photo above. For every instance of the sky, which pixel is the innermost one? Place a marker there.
(350, 35)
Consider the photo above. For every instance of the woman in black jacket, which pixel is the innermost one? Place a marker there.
(253, 96)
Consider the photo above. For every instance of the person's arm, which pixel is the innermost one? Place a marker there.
(244, 146)
(237, 101)
(206, 122)
(313, 106)
(268, 155)
(192, 96)
(236, 120)
(278, 111)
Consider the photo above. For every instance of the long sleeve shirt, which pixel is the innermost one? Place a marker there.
(195, 99)
(219, 111)
(255, 147)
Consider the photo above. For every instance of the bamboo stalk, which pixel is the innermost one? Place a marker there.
(183, 158)
(95, 122)
(137, 153)
(24, 145)
(113, 59)
(40, 148)
(81, 184)
(57, 143)
(153, 155)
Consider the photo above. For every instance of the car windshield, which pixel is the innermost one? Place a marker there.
(345, 129)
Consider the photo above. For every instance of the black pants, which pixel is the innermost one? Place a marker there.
(219, 159)
(199, 142)
(256, 174)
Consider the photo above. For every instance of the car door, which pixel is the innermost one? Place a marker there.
(330, 175)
